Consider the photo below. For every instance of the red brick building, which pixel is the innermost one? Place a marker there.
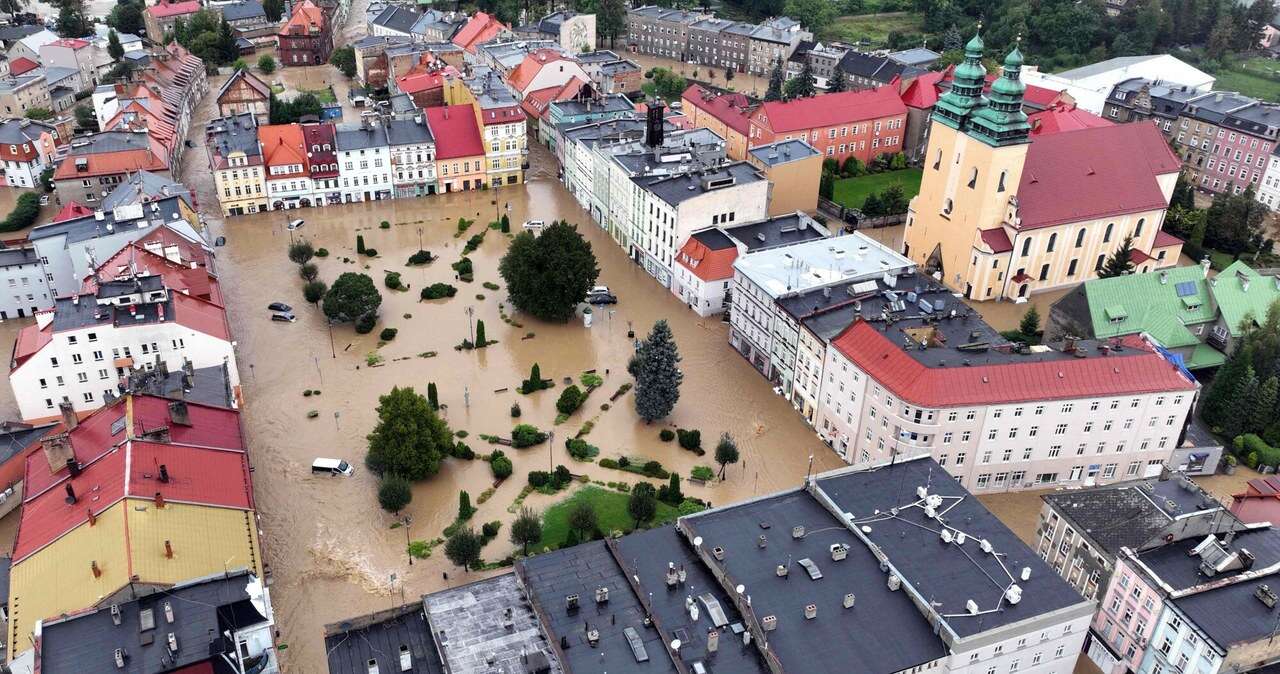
(862, 124)
(307, 38)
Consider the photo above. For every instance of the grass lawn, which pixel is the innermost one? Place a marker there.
(611, 511)
(873, 28)
(1251, 77)
(323, 95)
(853, 191)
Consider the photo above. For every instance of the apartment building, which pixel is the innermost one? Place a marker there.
(413, 157)
(861, 124)
(78, 55)
(712, 43)
(80, 350)
(320, 139)
(20, 93)
(288, 173)
(660, 31)
(990, 217)
(364, 162)
(542, 69)
(772, 43)
(306, 38)
(794, 171)
(582, 107)
(94, 165)
(479, 29)
(244, 92)
(1228, 141)
(161, 17)
(727, 114)
(236, 161)
(460, 148)
(27, 150)
(939, 585)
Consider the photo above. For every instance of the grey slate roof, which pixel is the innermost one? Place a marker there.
(19, 131)
(207, 385)
(89, 227)
(13, 257)
(916, 56)
(144, 184)
(677, 189)
(713, 238)
(351, 644)
(1232, 614)
(877, 68)
(202, 608)
(358, 138)
(243, 10)
(1128, 514)
(408, 132)
(783, 152)
(397, 18)
(15, 438)
(782, 230)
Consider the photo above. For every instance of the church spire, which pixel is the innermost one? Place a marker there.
(965, 94)
(1002, 121)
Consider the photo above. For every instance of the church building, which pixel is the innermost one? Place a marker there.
(1002, 213)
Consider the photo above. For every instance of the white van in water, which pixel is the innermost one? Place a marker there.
(332, 467)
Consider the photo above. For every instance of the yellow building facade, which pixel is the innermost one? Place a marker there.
(1000, 215)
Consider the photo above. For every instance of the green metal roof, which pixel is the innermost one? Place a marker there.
(1205, 356)
(1237, 303)
(1134, 303)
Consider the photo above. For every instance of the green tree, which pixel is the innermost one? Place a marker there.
(570, 400)
(309, 272)
(611, 19)
(501, 466)
(1029, 326)
(583, 519)
(1264, 405)
(804, 85)
(547, 276)
(665, 84)
(267, 64)
(827, 185)
(726, 452)
(274, 9)
(314, 291)
(776, 77)
(1246, 391)
(643, 503)
(526, 529)
(409, 438)
(344, 59)
(353, 295)
(1221, 398)
(394, 493)
(301, 252)
(655, 367)
(85, 119)
(815, 13)
(39, 114)
(126, 17)
(838, 82)
(114, 49)
(481, 340)
(463, 548)
(1120, 262)
(433, 397)
(465, 511)
(72, 21)
(1184, 193)
(24, 213)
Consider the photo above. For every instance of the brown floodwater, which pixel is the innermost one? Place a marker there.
(331, 550)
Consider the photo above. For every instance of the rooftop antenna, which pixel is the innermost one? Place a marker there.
(808, 471)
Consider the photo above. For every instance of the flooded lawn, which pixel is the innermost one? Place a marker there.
(331, 549)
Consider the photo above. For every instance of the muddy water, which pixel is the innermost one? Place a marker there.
(331, 550)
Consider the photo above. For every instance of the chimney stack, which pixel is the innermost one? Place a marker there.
(168, 549)
(57, 451)
(69, 418)
(159, 500)
(93, 519)
(71, 494)
(164, 474)
(93, 566)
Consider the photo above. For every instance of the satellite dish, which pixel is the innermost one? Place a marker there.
(740, 589)
(675, 644)
(697, 541)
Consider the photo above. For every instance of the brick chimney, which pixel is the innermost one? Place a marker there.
(69, 417)
(57, 451)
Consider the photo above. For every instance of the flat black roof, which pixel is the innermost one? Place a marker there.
(782, 230)
(581, 570)
(713, 238)
(379, 637)
(882, 633)
(948, 575)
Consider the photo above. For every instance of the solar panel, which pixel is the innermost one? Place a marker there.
(1186, 288)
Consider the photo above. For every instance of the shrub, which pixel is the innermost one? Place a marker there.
(421, 257)
(309, 272)
(437, 291)
(388, 334)
(704, 473)
(501, 466)
(462, 450)
(490, 285)
(371, 252)
(537, 478)
(608, 463)
(360, 244)
(666, 435)
(473, 243)
(490, 529)
(322, 252)
(384, 225)
(623, 462)
(392, 280)
(366, 323)
(580, 450)
(24, 213)
(526, 435)
(570, 400)
(689, 439)
(654, 469)
(561, 476)
(590, 380)
(1254, 445)
(314, 291)
(464, 269)
(394, 493)
(515, 410)
(690, 506)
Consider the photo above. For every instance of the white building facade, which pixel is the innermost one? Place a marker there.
(364, 164)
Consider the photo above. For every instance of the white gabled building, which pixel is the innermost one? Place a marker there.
(364, 163)
(143, 309)
(413, 157)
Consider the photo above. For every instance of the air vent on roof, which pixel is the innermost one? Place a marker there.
(894, 582)
(602, 595)
(797, 531)
(115, 614)
(839, 551)
(769, 623)
(1266, 595)
(782, 571)
(173, 643)
(718, 553)
(810, 611)
(146, 620)
(571, 602)
(120, 658)
(406, 659)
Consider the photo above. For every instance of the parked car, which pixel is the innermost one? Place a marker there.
(280, 306)
(332, 467)
(44, 200)
(602, 298)
(599, 290)
(295, 224)
(534, 226)
(284, 317)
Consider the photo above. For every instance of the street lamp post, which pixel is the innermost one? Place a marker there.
(408, 519)
(551, 443)
(471, 312)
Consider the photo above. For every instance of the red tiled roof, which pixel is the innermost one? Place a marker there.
(424, 81)
(1107, 170)
(1040, 96)
(167, 9)
(1140, 370)
(705, 263)
(107, 163)
(1261, 487)
(29, 342)
(922, 92)
(215, 477)
(1164, 239)
(456, 132)
(72, 211)
(535, 102)
(1138, 257)
(480, 28)
(997, 240)
(306, 15)
(1063, 117)
(179, 277)
(21, 65)
(533, 64)
(70, 43)
(830, 109)
(730, 109)
(283, 145)
(505, 115)
(201, 316)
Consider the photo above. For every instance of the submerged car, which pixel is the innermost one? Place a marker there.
(284, 317)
